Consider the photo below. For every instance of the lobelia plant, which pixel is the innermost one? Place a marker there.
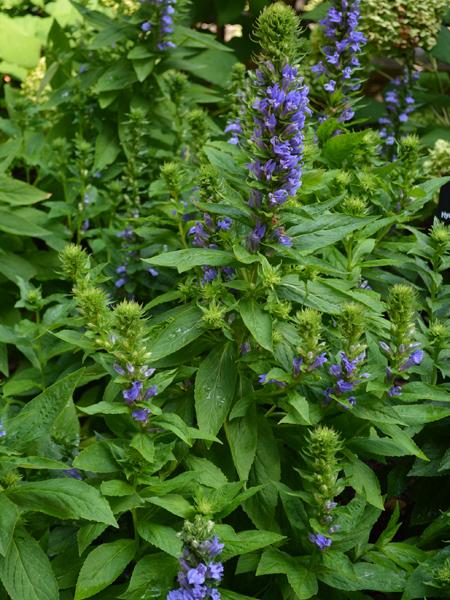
(243, 394)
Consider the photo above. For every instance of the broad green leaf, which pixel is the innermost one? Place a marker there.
(26, 572)
(364, 481)
(38, 416)
(102, 566)
(87, 534)
(8, 519)
(214, 388)
(173, 503)
(187, 259)
(302, 580)
(117, 77)
(163, 537)
(242, 542)
(153, 577)
(257, 321)
(242, 438)
(144, 445)
(97, 458)
(183, 330)
(64, 498)
(19, 193)
(13, 222)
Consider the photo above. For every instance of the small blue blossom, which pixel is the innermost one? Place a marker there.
(74, 473)
(321, 541)
(141, 415)
(395, 390)
(146, 26)
(413, 360)
(132, 394)
(297, 363)
(344, 42)
(153, 272)
(152, 391)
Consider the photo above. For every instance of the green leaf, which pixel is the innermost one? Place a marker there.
(340, 148)
(8, 519)
(302, 580)
(97, 458)
(116, 77)
(144, 445)
(26, 572)
(153, 574)
(244, 541)
(187, 259)
(19, 193)
(242, 438)
(163, 537)
(37, 417)
(257, 321)
(63, 498)
(173, 503)
(183, 330)
(14, 222)
(102, 566)
(442, 49)
(364, 481)
(214, 388)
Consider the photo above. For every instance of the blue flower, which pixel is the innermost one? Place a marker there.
(318, 361)
(321, 541)
(344, 386)
(152, 391)
(74, 473)
(132, 394)
(395, 390)
(141, 414)
(213, 547)
(413, 360)
(146, 26)
(340, 60)
(225, 223)
(153, 272)
(297, 363)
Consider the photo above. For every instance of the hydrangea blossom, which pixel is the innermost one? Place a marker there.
(340, 61)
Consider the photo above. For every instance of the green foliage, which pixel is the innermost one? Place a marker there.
(163, 381)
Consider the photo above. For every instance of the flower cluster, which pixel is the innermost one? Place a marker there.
(344, 43)
(399, 104)
(403, 352)
(321, 481)
(165, 25)
(138, 391)
(203, 235)
(200, 573)
(277, 141)
(131, 260)
(311, 354)
(346, 374)
(399, 25)
(237, 99)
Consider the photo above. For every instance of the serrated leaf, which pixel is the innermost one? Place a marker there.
(214, 388)
(26, 572)
(102, 566)
(63, 498)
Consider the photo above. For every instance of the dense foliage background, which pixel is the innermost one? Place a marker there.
(224, 366)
